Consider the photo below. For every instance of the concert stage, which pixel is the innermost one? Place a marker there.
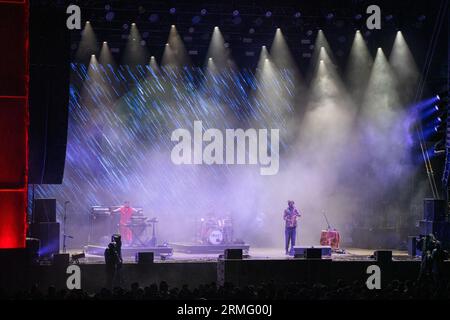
(188, 248)
(207, 249)
(262, 265)
(97, 250)
(352, 254)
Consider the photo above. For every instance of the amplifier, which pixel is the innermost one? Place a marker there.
(48, 234)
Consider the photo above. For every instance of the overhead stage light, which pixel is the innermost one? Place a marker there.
(109, 16)
(153, 17)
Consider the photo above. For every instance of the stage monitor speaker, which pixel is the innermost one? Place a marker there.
(44, 210)
(300, 251)
(48, 93)
(313, 253)
(144, 257)
(61, 259)
(383, 255)
(48, 234)
(234, 254)
(434, 209)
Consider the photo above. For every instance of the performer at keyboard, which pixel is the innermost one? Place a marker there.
(290, 217)
(126, 211)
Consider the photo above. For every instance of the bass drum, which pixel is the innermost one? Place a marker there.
(215, 236)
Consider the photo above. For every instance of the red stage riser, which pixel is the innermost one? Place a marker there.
(14, 121)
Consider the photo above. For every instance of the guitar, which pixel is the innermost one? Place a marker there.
(291, 218)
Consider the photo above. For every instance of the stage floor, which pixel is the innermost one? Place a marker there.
(351, 254)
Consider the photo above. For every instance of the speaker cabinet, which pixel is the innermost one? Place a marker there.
(313, 253)
(434, 210)
(440, 229)
(33, 246)
(48, 234)
(235, 254)
(44, 210)
(61, 259)
(300, 251)
(48, 93)
(144, 257)
(383, 255)
(412, 246)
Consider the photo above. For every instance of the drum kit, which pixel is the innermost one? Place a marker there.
(215, 231)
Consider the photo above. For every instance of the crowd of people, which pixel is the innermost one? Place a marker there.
(406, 290)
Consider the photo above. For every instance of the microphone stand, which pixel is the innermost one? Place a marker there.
(326, 219)
(65, 236)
